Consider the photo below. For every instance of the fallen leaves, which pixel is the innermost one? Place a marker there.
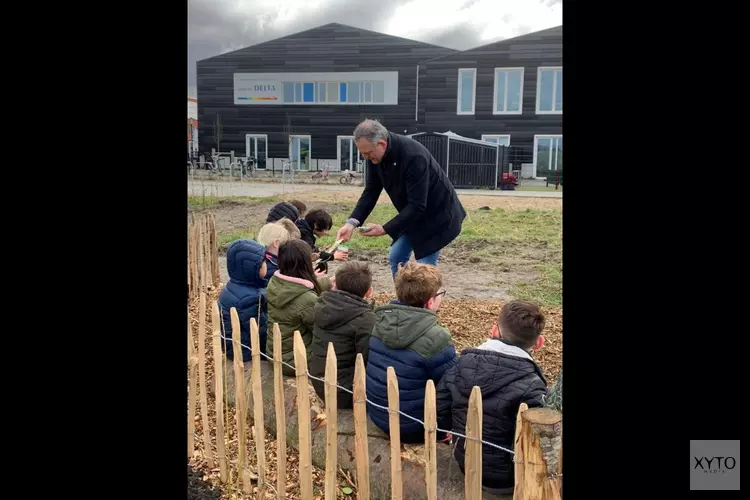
(470, 321)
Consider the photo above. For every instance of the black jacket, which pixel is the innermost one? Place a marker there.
(347, 321)
(306, 232)
(507, 377)
(307, 235)
(430, 213)
(282, 209)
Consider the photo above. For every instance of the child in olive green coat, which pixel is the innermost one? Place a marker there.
(292, 294)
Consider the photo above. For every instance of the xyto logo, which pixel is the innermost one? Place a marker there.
(714, 465)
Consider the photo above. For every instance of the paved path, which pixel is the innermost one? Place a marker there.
(225, 188)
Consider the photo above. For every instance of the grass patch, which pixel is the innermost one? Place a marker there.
(546, 289)
(515, 239)
(540, 228)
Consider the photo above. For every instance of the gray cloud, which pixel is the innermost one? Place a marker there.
(216, 26)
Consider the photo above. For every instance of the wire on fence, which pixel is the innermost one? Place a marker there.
(379, 406)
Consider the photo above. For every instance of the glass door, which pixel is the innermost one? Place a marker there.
(300, 151)
(348, 155)
(548, 154)
(257, 147)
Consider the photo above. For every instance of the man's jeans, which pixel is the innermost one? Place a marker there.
(401, 252)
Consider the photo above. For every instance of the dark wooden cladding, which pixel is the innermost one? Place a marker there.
(329, 48)
(438, 90)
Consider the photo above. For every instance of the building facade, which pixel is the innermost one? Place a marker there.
(192, 127)
(507, 92)
(296, 100)
(299, 98)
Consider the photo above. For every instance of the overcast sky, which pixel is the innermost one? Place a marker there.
(218, 26)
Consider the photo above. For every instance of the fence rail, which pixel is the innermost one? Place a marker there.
(538, 443)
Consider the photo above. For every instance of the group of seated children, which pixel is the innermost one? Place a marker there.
(274, 281)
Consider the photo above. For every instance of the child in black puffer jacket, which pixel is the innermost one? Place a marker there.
(507, 376)
(317, 223)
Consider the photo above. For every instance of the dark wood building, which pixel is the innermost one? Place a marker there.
(301, 96)
(508, 92)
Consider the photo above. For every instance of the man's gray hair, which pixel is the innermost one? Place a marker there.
(371, 130)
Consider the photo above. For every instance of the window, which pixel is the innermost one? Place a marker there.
(354, 89)
(378, 92)
(548, 155)
(288, 92)
(549, 91)
(503, 140)
(256, 146)
(467, 82)
(348, 155)
(322, 87)
(508, 95)
(299, 151)
(342, 92)
(340, 88)
(308, 92)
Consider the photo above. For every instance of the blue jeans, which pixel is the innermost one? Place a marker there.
(401, 252)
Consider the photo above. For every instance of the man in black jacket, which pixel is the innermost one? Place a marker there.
(429, 211)
(507, 376)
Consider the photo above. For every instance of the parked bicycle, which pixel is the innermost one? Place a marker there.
(321, 175)
(348, 177)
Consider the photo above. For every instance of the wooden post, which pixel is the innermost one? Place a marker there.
(303, 412)
(191, 278)
(473, 463)
(278, 391)
(190, 281)
(204, 262)
(518, 462)
(207, 452)
(194, 261)
(215, 250)
(361, 449)
(430, 440)
(219, 392)
(260, 430)
(193, 387)
(207, 254)
(239, 400)
(395, 427)
(332, 439)
(541, 442)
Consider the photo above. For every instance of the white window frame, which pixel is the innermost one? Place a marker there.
(492, 136)
(505, 97)
(473, 93)
(536, 144)
(539, 71)
(354, 148)
(247, 146)
(298, 164)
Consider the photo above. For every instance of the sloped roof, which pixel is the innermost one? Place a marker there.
(329, 25)
(506, 41)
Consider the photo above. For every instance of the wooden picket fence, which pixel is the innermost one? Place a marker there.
(538, 443)
(203, 254)
(538, 465)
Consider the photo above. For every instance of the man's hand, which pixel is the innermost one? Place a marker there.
(375, 230)
(345, 232)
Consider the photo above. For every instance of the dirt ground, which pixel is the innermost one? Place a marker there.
(464, 279)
